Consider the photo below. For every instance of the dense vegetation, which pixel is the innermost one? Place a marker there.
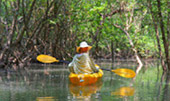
(55, 27)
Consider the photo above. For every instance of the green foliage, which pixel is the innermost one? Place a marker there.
(92, 21)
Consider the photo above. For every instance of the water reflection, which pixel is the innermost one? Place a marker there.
(165, 77)
(85, 92)
(51, 83)
(124, 91)
(45, 99)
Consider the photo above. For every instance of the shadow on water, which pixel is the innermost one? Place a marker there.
(51, 83)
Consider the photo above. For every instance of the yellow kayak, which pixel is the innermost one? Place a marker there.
(85, 79)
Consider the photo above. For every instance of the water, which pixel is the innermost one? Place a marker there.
(51, 83)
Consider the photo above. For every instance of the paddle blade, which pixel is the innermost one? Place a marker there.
(46, 59)
(127, 73)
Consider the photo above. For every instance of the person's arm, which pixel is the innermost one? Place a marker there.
(94, 67)
(71, 65)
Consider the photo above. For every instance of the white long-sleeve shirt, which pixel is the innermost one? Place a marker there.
(82, 64)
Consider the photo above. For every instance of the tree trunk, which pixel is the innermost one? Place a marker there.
(157, 37)
(112, 51)
(165, 41)
(10, 35)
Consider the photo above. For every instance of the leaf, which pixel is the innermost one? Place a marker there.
(52, 22)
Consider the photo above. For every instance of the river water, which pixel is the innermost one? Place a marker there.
(51, 83)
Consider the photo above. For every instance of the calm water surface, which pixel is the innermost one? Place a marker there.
(51, 83)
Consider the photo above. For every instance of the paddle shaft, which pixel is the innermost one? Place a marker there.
(106, 69)
(67, 62)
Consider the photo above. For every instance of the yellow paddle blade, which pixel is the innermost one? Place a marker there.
(127, 73)
(46, 59)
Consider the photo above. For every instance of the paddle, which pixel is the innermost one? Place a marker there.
(127, 73)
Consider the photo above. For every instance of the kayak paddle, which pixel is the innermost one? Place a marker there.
(127, 73)
(49, 59)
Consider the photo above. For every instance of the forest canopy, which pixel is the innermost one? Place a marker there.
(56, 27)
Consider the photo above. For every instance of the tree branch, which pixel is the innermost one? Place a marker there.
(133, 48)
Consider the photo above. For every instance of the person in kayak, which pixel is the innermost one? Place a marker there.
(82, 63)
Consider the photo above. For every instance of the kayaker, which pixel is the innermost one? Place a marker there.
(82, 63)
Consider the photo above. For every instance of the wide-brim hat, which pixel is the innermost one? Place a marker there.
(83, 45)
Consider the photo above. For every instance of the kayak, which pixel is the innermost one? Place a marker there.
(85, 79)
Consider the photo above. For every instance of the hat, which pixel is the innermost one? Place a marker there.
(83, 45)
